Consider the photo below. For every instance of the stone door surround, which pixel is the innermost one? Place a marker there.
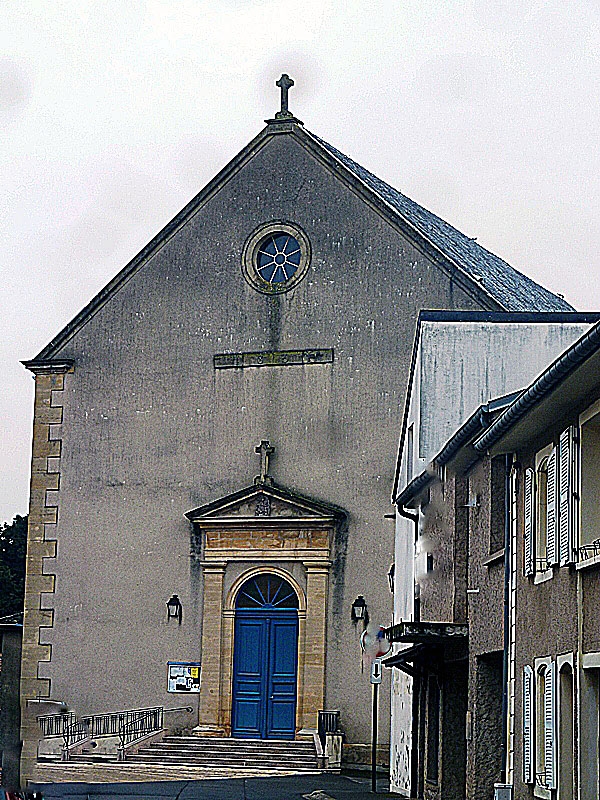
(264, 528)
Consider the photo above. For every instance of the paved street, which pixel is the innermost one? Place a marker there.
(292, 787)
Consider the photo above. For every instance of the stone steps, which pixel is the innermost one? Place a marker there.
(213, 753)
(126, 772)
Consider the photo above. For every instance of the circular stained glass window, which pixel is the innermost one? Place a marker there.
(276, 257)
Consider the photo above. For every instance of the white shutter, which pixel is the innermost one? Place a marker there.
(551, 510)
(564, 494)
(550, 725)
(574, 498)
(528, 711)
(528, 549)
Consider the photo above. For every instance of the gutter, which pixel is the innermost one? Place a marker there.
(411, 490)
(560, 369)
(475, 423)
(416, 677)
(506, 615)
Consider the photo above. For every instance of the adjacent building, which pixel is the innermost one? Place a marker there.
(11, 635)
(504, 648)
(460, 361)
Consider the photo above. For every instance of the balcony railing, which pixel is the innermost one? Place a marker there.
(589, 550)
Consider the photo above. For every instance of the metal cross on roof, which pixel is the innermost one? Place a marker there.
(284, 83)
(264, 450)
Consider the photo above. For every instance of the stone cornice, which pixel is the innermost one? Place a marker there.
(43, 367)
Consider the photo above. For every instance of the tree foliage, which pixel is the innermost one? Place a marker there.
(13, 547)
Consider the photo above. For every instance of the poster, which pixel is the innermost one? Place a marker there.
(183, 676)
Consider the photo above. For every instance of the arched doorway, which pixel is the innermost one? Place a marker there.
(265, 660)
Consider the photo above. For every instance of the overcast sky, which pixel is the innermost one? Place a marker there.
(115, 113)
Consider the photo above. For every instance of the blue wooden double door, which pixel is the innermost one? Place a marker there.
(265, 664)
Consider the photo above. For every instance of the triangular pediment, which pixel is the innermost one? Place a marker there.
(263, 500)
(492, 282)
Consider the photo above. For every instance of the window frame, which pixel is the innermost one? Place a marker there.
(583, 561)
(544, 666)
(541, 460)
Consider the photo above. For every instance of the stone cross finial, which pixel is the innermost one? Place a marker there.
(264, 450)
(284, 83)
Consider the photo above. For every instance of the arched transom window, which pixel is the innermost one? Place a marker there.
(266, 592)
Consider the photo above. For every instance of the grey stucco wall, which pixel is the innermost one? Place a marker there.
(151, 430)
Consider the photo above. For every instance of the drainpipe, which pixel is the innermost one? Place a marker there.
(414, 749)
(507, 566)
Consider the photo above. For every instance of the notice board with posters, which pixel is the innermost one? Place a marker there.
(183, 677)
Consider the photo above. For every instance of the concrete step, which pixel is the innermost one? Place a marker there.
(227, 753)
(255, 763)
(238, 747)
(230, 740)
(126, 772)
(233, 758)
(93, 758)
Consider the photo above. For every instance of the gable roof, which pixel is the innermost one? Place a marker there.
(303, 507)
(515, 291)
(490, 278)
(571, 381)
(540, 318)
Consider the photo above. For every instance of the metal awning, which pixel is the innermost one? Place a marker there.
(427, 632)
(400, 660)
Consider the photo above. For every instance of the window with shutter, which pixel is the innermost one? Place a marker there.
(565, 492)
(539, 732)
(550, 726)
(528, 548)
(528, 771)
(551, 515)
(588, 531)
(575, 492)
(540, 516)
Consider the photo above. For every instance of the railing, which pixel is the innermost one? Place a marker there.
(54, 724)
(69, 726)
(146, 722)
(540, 779)
(328, 722)
(129, 726)
(75, 733)
(589, 550)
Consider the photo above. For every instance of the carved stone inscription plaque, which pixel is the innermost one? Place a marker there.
(273, 358)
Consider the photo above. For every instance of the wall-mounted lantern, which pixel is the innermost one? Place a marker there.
(359, 610)
(174, 609)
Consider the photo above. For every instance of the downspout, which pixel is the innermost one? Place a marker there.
(414, 749)
(505, 654)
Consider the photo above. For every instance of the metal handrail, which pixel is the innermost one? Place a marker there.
(54, 724)
(129, 726)
(75, 733)
(149, 721)
(97, 724)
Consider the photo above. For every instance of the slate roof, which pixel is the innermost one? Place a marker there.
(515, 291)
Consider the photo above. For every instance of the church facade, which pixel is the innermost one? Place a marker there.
(217, 431)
